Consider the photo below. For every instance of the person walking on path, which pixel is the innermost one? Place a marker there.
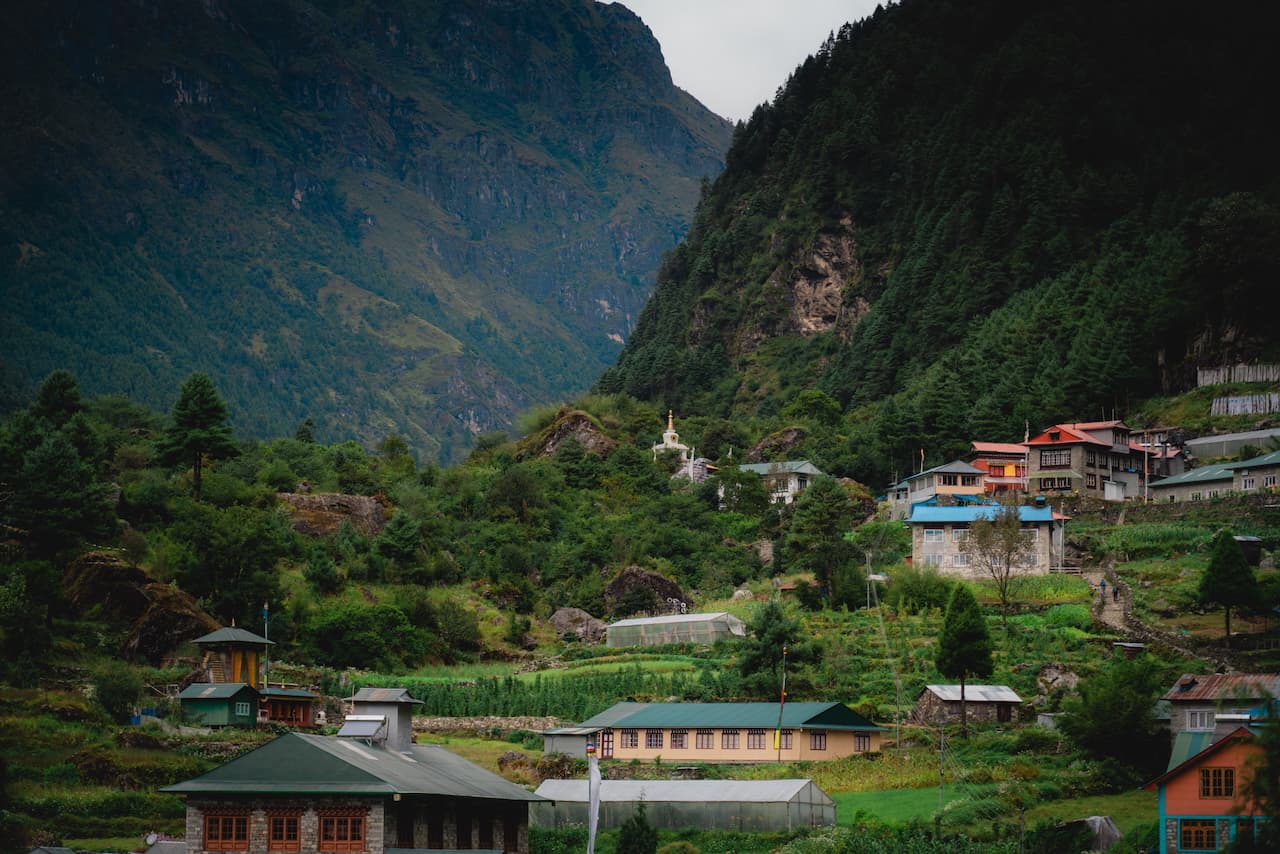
(1103, 584)
(1115, 593)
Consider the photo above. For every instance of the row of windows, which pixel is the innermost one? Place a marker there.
(730, 739)
(337, 833)
(961, 535)
(959, 480)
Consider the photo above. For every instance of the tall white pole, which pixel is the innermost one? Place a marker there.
(593, 797)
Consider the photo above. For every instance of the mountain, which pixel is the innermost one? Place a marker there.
(957, 219)
(412, 217)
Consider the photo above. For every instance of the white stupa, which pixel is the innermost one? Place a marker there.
(671, 440)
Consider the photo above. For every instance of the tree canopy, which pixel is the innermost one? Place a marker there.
(964, 646)
(198, 428)
(1228, 580)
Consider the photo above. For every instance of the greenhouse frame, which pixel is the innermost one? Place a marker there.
(738, 805)
(675, 628)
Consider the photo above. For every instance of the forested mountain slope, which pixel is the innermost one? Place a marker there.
(957, 218)
(413, 217)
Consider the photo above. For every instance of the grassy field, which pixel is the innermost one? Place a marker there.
(897, 806)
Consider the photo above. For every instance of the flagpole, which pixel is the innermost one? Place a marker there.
(266, 650)
(782, 699)
(593, 797)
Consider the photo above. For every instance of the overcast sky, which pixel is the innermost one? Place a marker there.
(734, 54)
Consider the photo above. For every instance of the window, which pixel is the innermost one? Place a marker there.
(784, 740)
(1199, 720)
(1196, 496)
(679, 739)
(933, 560)
(960, 560)
(1217, 782)
(1055, 459)
(1091, 459)
(629, 738)
(1247, 483)
(959, 535)
(818, 740)
(706, 739)
(282, 833)
(226, 832)
(728, 739)
(653, 739)
(341, 833)
(969, 479)
(755, 739)
(1030, 535)
(947, 479)
(1198, 835)
(933, 535)
(1091, 481)
(1268, 481)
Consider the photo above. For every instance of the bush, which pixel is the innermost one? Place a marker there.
(913, 589)
(636, 835)
(117, 688)
(1073, 616)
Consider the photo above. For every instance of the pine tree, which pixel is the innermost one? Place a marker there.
(1228, 580)
(199, 429)
(964, 647)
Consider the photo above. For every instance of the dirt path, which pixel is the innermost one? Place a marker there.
(1112, 612)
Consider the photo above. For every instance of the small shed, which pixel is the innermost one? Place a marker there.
(941, 704)
(288, 706)
(675, 628)
(741, 805)
(219, 704)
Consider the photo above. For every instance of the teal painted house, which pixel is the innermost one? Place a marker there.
(219, 704)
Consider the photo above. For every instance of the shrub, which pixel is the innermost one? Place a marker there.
(117, 688)
(1074, 616)
(914, 589)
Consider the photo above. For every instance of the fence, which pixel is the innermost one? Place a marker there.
(1246, 404)
(1238, 374)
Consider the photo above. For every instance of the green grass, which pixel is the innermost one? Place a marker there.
(1127, 809)
(898, 806)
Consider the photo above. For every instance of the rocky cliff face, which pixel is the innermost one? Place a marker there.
(414, 217)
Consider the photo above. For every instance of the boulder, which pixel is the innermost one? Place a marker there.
(665, 590)
(573, 424)
(579, 622)
(321, 515)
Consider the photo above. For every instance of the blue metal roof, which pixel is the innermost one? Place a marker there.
(922, 513)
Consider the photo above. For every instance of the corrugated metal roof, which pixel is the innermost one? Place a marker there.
(1241, 734)
(305, 764)
(998, 448)
(232, 634)
(924, 513)
(731, 716)
(1067, 434)
(291, 693)
(953, 467)
(1271, 459)
(214, 690)
(685, 791)
(1200, 475)
(675, 618)
(797, 466)
(1223, 686)
(383, 695)
(975, 693)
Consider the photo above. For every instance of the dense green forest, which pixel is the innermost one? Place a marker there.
(959, 219)
(412, 219)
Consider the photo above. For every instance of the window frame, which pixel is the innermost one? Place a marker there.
(653, 739)
(679, 739)
(355, 830)
(934, 535)
(1197, 834)
(705, 739)
(730, 739)
(278, 830)
(1217, 783)
(1055, 458)
(817, 739)
(221, 820)
(1200, 719)
(861, 742)
(785, 740)
(629, 739)
(756, 739)
(242, 708)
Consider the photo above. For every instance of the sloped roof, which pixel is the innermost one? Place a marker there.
(998, 448)
(730, 715)
(289, 693)
(953, 467)
(789, 466)
(305, 764)
(1241, 734)
(1204, 474)
(925, 513)
(233, 634)
(974, 693)
(214, 690)
(1192, 687)
(685, 791)
(1271, 459)
(667, 619)
(1187, 744)
(1070, 433)
(383, 695)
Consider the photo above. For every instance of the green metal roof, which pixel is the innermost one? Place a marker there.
(291, 693)
(1187, 744)
(730, 716)
(214, 690)
(1203, 474)
(305, 764)
(781, 467)
(232, 634)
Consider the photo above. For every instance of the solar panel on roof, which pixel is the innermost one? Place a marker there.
(361, 728)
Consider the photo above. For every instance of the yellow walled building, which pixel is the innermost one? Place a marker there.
(720, 732)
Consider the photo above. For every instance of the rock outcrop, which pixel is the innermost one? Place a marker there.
(587, 628)
(321, 515)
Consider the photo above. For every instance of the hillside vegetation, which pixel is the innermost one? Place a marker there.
(957, 219)
(414, 219)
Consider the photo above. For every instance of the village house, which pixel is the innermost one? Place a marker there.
(720, 732)
(940, 704)
(1003, 466)
(954, 480)
(370, 789)
(939, 534)
(1196, 484)
(1258, 474)
(1094, 459)
(784, 481)
(231, 689)
(1202, 802)
(1196, 699)
(219, 704)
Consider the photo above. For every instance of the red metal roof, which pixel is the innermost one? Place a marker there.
(1224, 686)
(1099, 425)
(1070, 433)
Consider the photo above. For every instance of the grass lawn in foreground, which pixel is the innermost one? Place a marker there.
(898, 806)
(1127, 809)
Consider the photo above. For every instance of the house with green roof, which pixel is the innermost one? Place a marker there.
(720, 732)
(219, 704)
(785, 480)
(1195, 484)
(361, 792)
